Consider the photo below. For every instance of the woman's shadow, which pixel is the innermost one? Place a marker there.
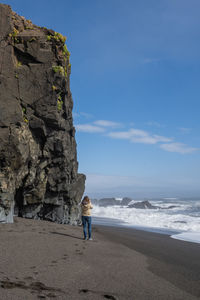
(72, 236)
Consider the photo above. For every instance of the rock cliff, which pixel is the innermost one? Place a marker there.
(38, 159)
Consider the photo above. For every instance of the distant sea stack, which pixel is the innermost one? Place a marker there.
(38, 160)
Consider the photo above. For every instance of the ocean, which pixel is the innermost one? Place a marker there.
(179, 217)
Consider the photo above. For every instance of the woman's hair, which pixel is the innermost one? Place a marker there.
(86, 200)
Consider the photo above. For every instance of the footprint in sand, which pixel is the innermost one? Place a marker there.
(79, 252)
(109, 297)
(54, 262)
(65, 257)
(28, 278)
(106, 296)
(50, 295)
(7, 284)
(45, 292)
(36, 273)
(84, 291)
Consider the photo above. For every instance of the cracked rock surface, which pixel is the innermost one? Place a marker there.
(38, 159)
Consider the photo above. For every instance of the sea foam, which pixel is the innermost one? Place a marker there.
(183, 218)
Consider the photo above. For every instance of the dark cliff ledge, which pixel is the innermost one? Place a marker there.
(38, 160)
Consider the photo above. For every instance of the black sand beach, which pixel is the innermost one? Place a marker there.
(176, 261)
(43, 260)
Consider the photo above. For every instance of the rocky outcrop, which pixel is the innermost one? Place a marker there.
(125, 201)
(112, 201)
(108, 202)
(148, 205)
(38, 160)
(143, 205)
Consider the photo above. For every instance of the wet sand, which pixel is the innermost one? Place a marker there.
(43, 260)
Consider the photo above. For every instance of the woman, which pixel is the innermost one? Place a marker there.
(86, 207)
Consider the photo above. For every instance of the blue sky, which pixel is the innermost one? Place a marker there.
(135, 84)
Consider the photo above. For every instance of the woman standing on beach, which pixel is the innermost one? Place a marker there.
(86, 207)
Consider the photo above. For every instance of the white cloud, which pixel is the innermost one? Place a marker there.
(153, 123)
(89, 128)
(106, 123)
(86, 115)
(160, 138)
(136, 136)
(98, 126)
(82, 114)
(178, 147)
(139, 136)
(184, 130)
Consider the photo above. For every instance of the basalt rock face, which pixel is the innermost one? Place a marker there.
(38, 159)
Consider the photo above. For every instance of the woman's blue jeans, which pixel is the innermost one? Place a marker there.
(87, 222)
